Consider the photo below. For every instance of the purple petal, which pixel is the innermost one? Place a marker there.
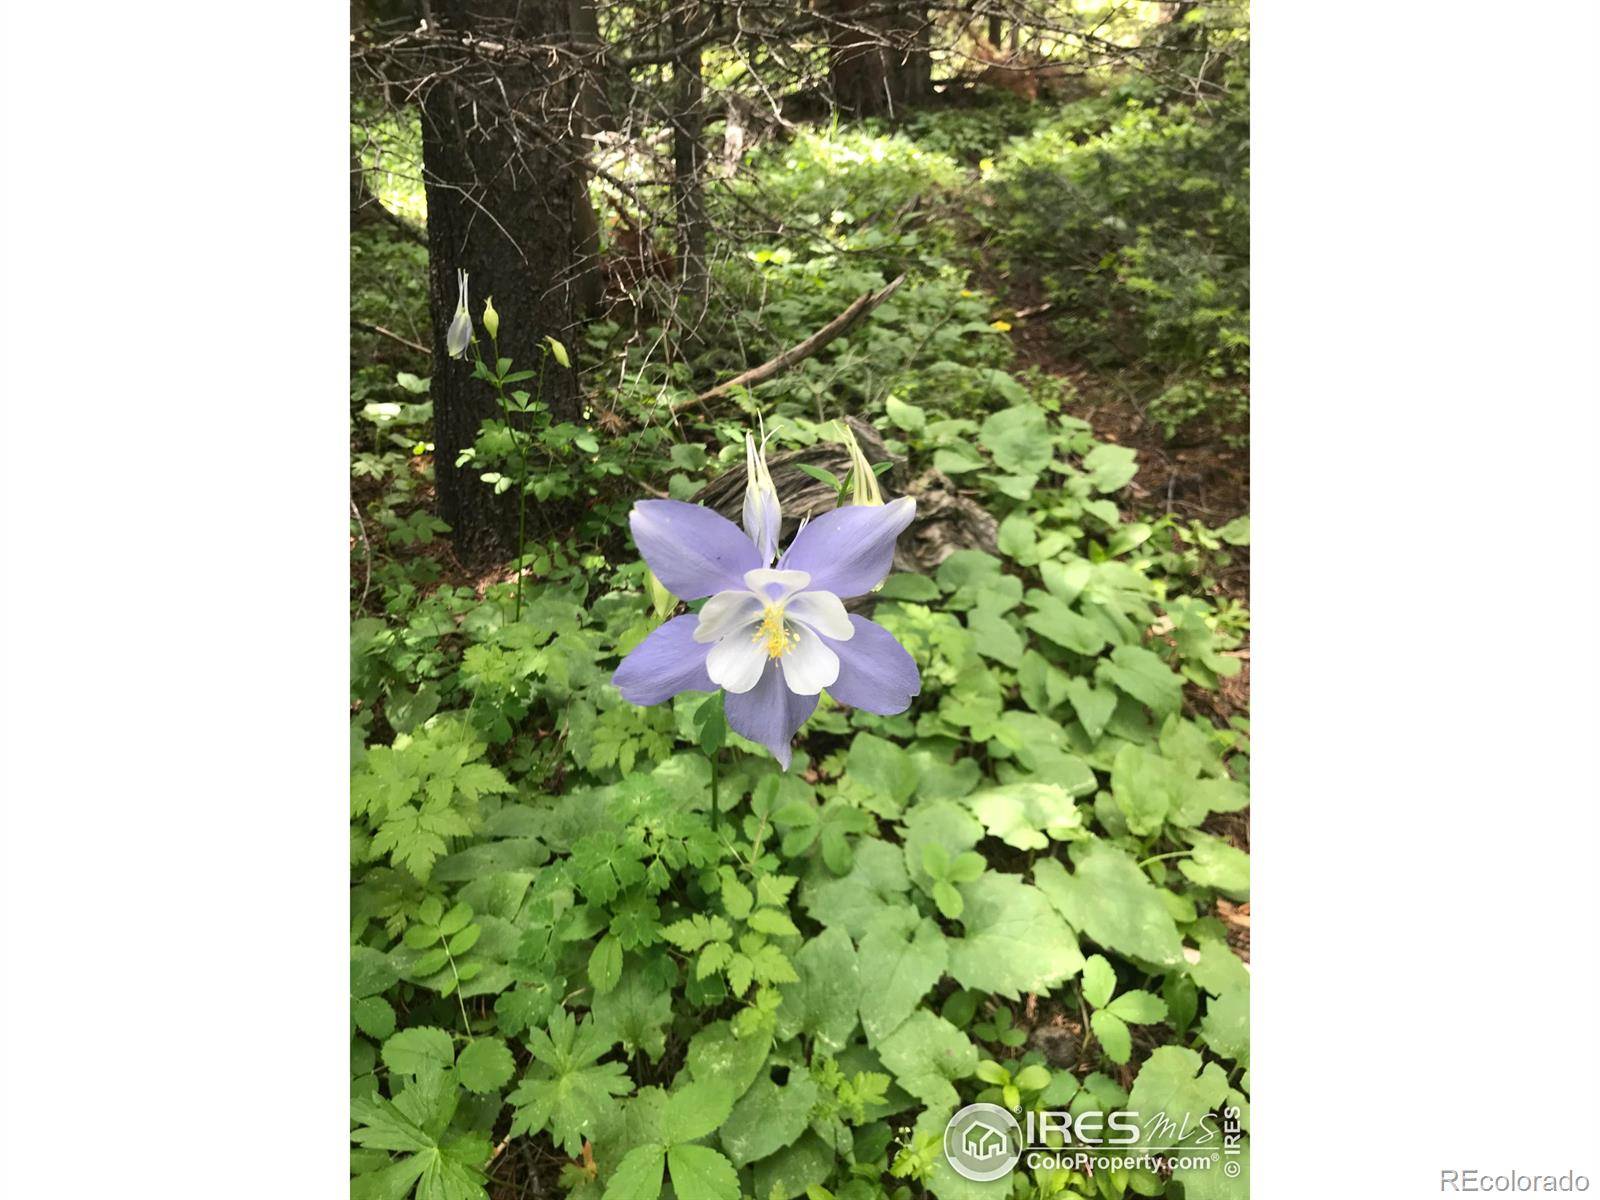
(692, 550)
(849, 551)
(875, 672)
(770, 713)
(667, 662)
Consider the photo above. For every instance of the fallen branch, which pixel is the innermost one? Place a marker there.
(380, 330)
(834, 329)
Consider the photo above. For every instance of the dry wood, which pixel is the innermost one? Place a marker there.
(800, 351)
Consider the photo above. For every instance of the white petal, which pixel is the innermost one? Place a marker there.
(810, 666)
(788, 583)
(736, 663)
(824, 612)
(727, 613)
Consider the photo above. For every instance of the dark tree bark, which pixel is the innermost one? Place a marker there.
(506, 203)
(879, 65)
(688, 164)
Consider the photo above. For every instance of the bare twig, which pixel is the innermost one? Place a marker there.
(834, 329)
(365, 327)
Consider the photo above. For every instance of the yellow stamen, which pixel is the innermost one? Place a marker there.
(777, 636)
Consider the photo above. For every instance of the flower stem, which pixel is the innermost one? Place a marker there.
(712, 760)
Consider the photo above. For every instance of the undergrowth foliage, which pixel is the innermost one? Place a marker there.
(560, 967)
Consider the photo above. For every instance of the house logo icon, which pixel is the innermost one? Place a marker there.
(982, 1142)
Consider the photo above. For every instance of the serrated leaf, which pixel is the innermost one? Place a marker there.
(824, 1001)
(695, 1110)
(768, 1117)
(413, 1051)
(1111, 901)
(1014, 940)
(638, 1176)
(1027, 815)
(485, 1065)
(1175, 1082)
(1099, 981)
(925, 1054)
(1139, 1008)
(702, 1173)
(1113, 1033)
(902, 956)
(772, 923)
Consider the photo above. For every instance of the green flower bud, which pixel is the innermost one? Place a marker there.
(491, 319)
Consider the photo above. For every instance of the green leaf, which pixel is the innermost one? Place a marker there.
(876, 881)
(1219, 970)
(795, 1169)
(1019, 439)
(905, 416)
(1143, 675)
(1226, 1025)
(638, 1175)
(1175, 1083)
(884, 770)
(715, 1054)
(413, 1051)
(768, 1118)
(1139, 1008)
(637, 1011)
(1092, 705)
(374, 1016)
(695, 1110)
(605, 964)
(1014, 941)
(1216, 864)
(1099, 981)
(1110, 467)
(925, 1054)
(824, 1003)
(702, 1173)
(1111, 901)
(1027, 815)
(1053, 619)
(902, 956)
(1114, 1037)
(485, 1065)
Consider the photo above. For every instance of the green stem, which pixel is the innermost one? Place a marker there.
(712, 760)
(1159, 857)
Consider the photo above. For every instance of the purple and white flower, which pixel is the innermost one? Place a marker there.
(771, 637)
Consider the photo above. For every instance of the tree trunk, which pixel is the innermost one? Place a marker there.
(879, 65)
(688, 168)
(506, 203)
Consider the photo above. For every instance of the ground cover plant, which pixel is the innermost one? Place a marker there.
(616, 950)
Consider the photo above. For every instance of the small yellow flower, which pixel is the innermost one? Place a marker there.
(967, 293)
(1001, 326)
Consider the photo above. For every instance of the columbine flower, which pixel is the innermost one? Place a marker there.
(459, 336)
(863, 479)
(762, 514)
(771, 638)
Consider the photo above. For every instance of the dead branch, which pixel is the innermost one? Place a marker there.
(365, 327)
(800, 351)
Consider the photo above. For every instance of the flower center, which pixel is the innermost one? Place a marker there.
(777, 637)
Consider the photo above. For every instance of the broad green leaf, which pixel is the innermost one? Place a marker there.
(1111, 901)
(768, 1117)
(638, 1175)
(1226, 1025)
(1139, 1008)
(824, 1003)
(1014, 941)
(902, 956)
(412, 1051)
(637, 1011)
(884, 770)
(1019, 439)
(1093, 705)
(703, 1173)
(925, 1054)
(941, 823)
(1143, 675)
(1110, 467)
(695, 1110)
(1099, 981)
(1218, 969)
(485, 1065)
(1175, 1083)
(715, 1054)
(1216, 864)
(1113, 1033)
(1053, 619)
(795, 1169)
(877, 881)
(1027, 815)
